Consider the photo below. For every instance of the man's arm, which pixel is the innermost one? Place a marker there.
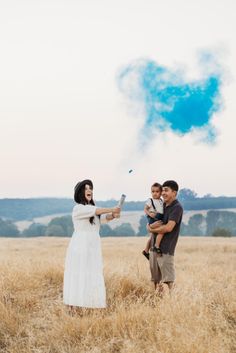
(165, 228)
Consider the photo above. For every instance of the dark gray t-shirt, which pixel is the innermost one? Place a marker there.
(173, 212)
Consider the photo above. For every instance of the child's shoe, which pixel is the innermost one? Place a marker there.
(146, 254)
(158, 251)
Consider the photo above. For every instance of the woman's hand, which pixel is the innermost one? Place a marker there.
(115, 213)
(115, 210)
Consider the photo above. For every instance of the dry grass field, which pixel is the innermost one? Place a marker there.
(199, 316)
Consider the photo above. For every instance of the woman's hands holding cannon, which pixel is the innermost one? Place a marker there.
(116, 212)
(111, 213)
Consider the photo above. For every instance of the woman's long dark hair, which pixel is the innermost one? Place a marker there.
(82, 199)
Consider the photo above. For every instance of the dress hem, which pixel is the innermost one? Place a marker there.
(86, 306)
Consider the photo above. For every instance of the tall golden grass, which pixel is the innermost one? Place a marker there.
(199, 316)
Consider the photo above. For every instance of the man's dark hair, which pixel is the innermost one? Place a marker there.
(171, 184)
(157, 185)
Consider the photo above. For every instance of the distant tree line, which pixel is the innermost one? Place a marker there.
(215, 223)
(60, 227)
(7, 228)
(28, 209)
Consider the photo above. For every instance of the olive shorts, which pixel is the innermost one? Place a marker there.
(162, 268)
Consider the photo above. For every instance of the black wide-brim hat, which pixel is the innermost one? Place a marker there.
(78, 187)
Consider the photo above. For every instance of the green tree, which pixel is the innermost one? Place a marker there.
(35, 230)
(184, 229)
(8, 229)
(124, 230)
(65, 222)
(55, 230)
(212, 221)
(208, 196)
(196, 225)
(142, 229)
(187, 195)
(221, 219)
(106, 230)
(221, 232)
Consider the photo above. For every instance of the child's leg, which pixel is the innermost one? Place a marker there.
(157, 244)
(145, 252)
(148, 245)
(158, 239)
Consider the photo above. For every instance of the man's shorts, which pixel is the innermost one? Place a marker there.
(162, 268)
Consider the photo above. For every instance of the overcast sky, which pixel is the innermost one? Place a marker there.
(63, 116)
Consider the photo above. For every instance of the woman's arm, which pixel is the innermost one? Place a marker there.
(111, 216)
(114, 210)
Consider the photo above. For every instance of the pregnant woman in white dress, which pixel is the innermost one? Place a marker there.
(83, 277)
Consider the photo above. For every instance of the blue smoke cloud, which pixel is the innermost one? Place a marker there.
(170, 101)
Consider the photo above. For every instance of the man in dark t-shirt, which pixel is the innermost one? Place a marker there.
(162, 259)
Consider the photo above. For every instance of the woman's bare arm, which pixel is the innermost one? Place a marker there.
(114, 210)
(111, 216)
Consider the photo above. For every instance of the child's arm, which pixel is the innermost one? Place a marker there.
(146, 208)
(146, 211)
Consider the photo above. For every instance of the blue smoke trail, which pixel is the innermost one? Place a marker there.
(169, 101)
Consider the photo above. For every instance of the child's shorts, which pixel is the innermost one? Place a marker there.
(158, 217)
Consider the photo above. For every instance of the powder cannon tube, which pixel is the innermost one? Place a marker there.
(121, 201)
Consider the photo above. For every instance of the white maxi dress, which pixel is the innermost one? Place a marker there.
(83, 277)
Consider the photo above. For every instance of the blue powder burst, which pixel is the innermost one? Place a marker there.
(170, 102)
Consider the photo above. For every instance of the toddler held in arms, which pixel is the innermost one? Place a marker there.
(154, 212)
